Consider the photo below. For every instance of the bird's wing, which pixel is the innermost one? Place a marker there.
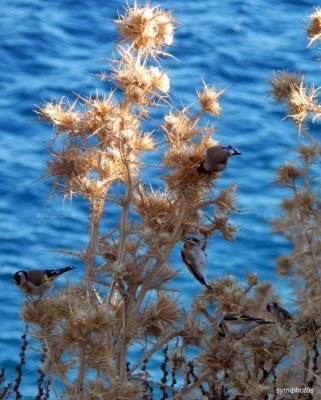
(218, 154)
(37, 276)
(52, 274)
(197, 272)
(285, 313)
(245, 317)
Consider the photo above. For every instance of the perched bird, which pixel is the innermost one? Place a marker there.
(216, 158)
(279, 313)
(36, 282)
(194, 256)
(238, 325)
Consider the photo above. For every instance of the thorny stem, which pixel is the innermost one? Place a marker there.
(162, 259)
(188, 389)
(191, 373)
(5, 391)
(163, 368)
(42, 375)
(97, 206)
(123, 349)
(306, 364)
(147, 388)
(47, 390)
(173, 370)
(306, 235)
(315, 356)
(148, 279)
(21, 364)
(61, 376)
(51, 383)
(152, 350)
(275, 364)
(81, 370)
(123, 341)
(123, 223)
(160, 384)
(123, 345)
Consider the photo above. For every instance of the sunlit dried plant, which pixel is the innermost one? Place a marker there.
(300, 223)
(124, 299)
(314, 28)
(100, 335)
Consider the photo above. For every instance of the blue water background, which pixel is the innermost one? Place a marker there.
(51, 49)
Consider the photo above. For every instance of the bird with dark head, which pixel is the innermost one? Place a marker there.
(215, 158)
(279, 313)
(194, 257)
(238, 325)
(36, 282)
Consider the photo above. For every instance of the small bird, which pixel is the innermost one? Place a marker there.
(36, 282)
(194, 256)
(216, 158)
(279, 313)
(238, 325)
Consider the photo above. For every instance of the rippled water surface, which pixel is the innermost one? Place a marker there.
(51, 49)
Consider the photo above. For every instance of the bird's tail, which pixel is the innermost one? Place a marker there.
(207, 284)
(262, 322)
(53, 273)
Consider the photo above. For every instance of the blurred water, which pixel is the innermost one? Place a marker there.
(51, 49)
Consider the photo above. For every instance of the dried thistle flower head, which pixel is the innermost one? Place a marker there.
(70, 162)
(302, 101)
(193, 331)
(307, 150)
(159, 80)
(227, 230)
(147, 28)
(209, 99)
(162, 313)
(284, 264)
(179, 127)
(156, 209)
(183, 161)
(63, 116)
(103, 117)
(139, 82)
(87, 171)
(314, 28)
(282, 82)
(288, 173)
(226, 198)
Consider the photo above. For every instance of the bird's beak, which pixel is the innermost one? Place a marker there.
(236, 152)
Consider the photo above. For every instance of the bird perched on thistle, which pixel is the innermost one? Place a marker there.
(238, 325)
(280, 314)
(36, 282)
(194, 256)
(215, 158)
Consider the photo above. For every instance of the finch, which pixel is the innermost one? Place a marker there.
(36, 282)
(194, 256)
(215, 159)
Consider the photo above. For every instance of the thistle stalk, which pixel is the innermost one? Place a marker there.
(96, 209)
(126, 202)
(306, 235)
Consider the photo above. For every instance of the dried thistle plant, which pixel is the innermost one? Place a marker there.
(124, 300)
(92, 329)
(300, 224)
